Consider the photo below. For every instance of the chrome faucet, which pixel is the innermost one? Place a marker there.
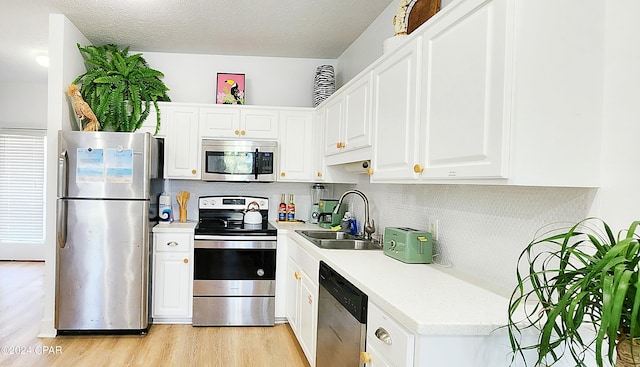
(369, 226)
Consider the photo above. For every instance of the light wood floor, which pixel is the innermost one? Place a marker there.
(21, 307)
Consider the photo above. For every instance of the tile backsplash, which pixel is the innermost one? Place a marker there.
(481, 229)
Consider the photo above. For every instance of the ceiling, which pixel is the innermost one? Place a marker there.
(299, 28)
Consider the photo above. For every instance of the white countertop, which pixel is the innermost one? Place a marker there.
(425, 298)
(176, 226)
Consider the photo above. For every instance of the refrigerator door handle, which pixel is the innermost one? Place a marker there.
(61, 223)
(62, 174)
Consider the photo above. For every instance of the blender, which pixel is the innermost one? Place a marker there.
(318, 192)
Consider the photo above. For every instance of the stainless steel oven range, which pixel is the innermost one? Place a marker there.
(234, 263)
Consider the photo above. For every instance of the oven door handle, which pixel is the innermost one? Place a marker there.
(211, 242)
(255, 164)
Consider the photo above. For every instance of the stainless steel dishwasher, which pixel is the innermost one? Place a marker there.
(342, 321)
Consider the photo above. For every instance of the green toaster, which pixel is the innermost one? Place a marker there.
(408, 245)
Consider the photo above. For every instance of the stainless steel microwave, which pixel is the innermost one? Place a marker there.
(239, 160)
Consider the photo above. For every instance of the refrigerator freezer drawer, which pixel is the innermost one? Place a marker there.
(102, 279)
(106, 165)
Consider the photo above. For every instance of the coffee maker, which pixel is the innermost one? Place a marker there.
(326, 218)
(318, 192)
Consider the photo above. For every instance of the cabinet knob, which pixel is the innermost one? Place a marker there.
(193, 171)
(186, 261)
(369, 171)
(296, 275)
(282, 174)
(383, 335)
(342, 144)
(319, 174)
(242, 132)
(338, 145)
(172, 244)
(418, 168)
(365, 357)
(237, 132)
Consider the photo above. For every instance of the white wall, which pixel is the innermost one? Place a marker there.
(620, 194)
(23, 105)
(65, 63)
(367, 48)
(270, 81)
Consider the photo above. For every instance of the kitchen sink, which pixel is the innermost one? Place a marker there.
(326, 235)
(338, 240)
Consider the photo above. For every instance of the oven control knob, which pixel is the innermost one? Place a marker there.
(205, 203)
(213, 202)
(260, 272)
(262, 203)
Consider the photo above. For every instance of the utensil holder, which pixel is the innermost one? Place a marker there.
(183, 214)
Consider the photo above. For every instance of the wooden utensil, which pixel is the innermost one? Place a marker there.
(182, 198)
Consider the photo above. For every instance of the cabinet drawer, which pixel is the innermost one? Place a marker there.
(307, 263)
(399, 347)
(172, 242)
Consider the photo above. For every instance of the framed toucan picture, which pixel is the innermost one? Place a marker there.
(230, 89)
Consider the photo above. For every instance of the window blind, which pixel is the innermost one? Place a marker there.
(22, 188)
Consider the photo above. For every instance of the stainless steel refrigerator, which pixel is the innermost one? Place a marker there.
(105, 188)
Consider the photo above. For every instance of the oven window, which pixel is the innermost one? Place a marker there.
(234, 163)
(234, 264)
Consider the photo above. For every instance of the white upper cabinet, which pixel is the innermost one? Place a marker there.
(500, 98)
(259, 123)
(239, 122)
(182, 142)
(464, 117)
(333, 125)
(216, 122)
(348, 122)
(296, 146)
(395, 114)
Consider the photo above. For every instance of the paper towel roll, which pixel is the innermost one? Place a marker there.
(358, 167)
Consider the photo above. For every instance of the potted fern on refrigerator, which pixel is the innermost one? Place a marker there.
(584, 278)
(120, 88)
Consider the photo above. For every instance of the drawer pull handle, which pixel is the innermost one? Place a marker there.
(383, 335)
(172, 244)
(296, 275)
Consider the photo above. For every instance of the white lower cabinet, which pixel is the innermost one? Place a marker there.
(302, 296)
(388, 343)
(172, 278)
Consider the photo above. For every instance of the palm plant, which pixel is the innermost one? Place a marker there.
(584, 276)
(120, 88)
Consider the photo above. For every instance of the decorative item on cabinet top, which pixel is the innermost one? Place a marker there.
(324, 84)
(120, 93)
(230, 89)
(409, 16)
(419, 11)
